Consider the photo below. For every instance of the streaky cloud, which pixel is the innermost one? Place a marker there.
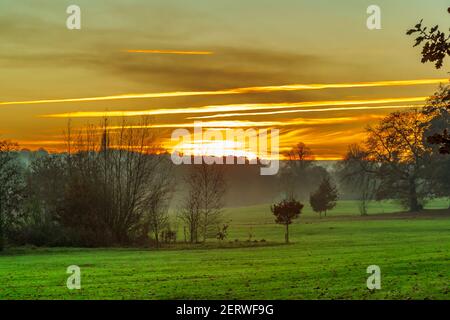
(247, 123)
(180, 52)
(226, 115)
(233, 108)
(243, 90)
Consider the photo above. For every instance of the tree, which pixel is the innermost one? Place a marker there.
(190, 213)
(440, 176)
(202, 207)
(302, 154)
(437, 109)
(11, 185)
(285, 212)
(396, 146)
(43, 199)
(110, 188)
(435, 49)
(46, 182)
(222, 232)
(156, 206)
(324, 198)
(441, 139)
(135, 177)
(356, 172)
(299, 174)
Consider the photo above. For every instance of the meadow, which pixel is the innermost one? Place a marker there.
(326, 259)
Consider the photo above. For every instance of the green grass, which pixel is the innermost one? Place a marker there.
(261, 213)
(327, 259)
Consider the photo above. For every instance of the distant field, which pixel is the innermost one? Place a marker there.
(260, 214)
(326, 260)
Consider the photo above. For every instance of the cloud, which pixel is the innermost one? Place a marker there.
(229, 67)
(226, 115)
(170, 52)
(234, 91)
(253, 107)
(250, 124)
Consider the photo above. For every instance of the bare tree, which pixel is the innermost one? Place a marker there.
(295, 174)
(190, 214)
(212, 188)
(357, 172)
(300, 174)
(204, 200)
(156, 211)
(118, 180)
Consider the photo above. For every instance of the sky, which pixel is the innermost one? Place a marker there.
(311, 69)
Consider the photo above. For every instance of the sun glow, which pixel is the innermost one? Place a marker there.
(215, 148)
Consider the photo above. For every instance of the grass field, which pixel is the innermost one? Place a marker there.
(327, 259)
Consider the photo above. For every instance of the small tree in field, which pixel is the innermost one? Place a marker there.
(285, 212)
(222, 233)
(324, 198)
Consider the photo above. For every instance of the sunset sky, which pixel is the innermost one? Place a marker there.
(312, 69)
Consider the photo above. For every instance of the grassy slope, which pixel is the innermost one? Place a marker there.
(328, 259)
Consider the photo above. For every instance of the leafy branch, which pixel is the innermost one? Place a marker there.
(436, 43)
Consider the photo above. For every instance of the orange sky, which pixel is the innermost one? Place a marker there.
(311, 69)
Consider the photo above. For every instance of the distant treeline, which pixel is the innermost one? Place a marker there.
(246, 186)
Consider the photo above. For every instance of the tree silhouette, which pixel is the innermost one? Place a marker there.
(436, 43)
(285, 212)
(356, 173)
(202, 207)
(299, 175)
(324, 198)
(438, 108)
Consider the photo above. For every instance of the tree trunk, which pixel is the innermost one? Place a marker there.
(192, 235)
(286, 234)
(204, 234)
(157, 239)
(363, 207)
(413, 203)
